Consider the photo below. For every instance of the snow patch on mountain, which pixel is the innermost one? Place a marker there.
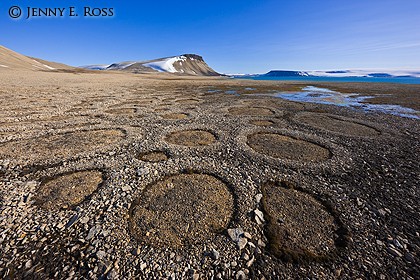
(96, 67)
(120, 65)
(42, 65)
(166, 65)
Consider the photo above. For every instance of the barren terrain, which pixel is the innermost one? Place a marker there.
(120, 176)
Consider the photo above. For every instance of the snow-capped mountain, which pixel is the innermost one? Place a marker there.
(187, 64)
(96, 67)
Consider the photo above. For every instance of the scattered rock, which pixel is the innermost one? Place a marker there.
(240, 275)
(72, 220)
(248, 235)
(258, 197)
(92, 233)
(100, 254)
(398, 244)
(215, 254)
(28, 264)
(261, 243)
(382, 212)
(242, 243)
(237, 236)
(409, 257)
(136, 251)
(245, 256)
(250, 262)
(143, 266)
(394, 252)
(143, 171)
(259, 216)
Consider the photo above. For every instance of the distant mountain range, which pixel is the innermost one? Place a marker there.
(339, 73)
(186, 64)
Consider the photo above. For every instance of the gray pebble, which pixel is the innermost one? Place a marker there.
(215, 254)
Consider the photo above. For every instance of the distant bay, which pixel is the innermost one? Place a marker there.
(397, 80)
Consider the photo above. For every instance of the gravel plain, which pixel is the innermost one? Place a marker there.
(123, 176)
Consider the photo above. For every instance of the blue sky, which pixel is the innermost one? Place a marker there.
(247, 36)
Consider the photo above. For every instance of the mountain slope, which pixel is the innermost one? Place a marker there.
(12, 60)
(186, 64)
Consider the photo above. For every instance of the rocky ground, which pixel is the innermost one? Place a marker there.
(120, 176)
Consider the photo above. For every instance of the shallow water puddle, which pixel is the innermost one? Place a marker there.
(325, 96)
(234, 92)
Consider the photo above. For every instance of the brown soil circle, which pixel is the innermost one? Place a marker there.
(168, 99)
(61, 146)
(155, 156)
(262, 122)
(299, 227)
(76, 110)
(158, 110)
(191, 138)
(132, 103)
(336, 125)
(68, 190)
(175, 116)
(122, 111)
(251, 111)
(285, 147)
(187, 101)
(141, 101)
(182, 209)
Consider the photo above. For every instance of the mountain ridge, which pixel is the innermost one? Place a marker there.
(12, 60)
(185, 64)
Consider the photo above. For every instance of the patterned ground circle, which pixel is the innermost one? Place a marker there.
(191, 138)
(68, 190)
(61, 146)
(336, 125)
(299, 227)
(155, 156)
(122, 111)
(251, 111)
(285, 147)
(182, 209)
